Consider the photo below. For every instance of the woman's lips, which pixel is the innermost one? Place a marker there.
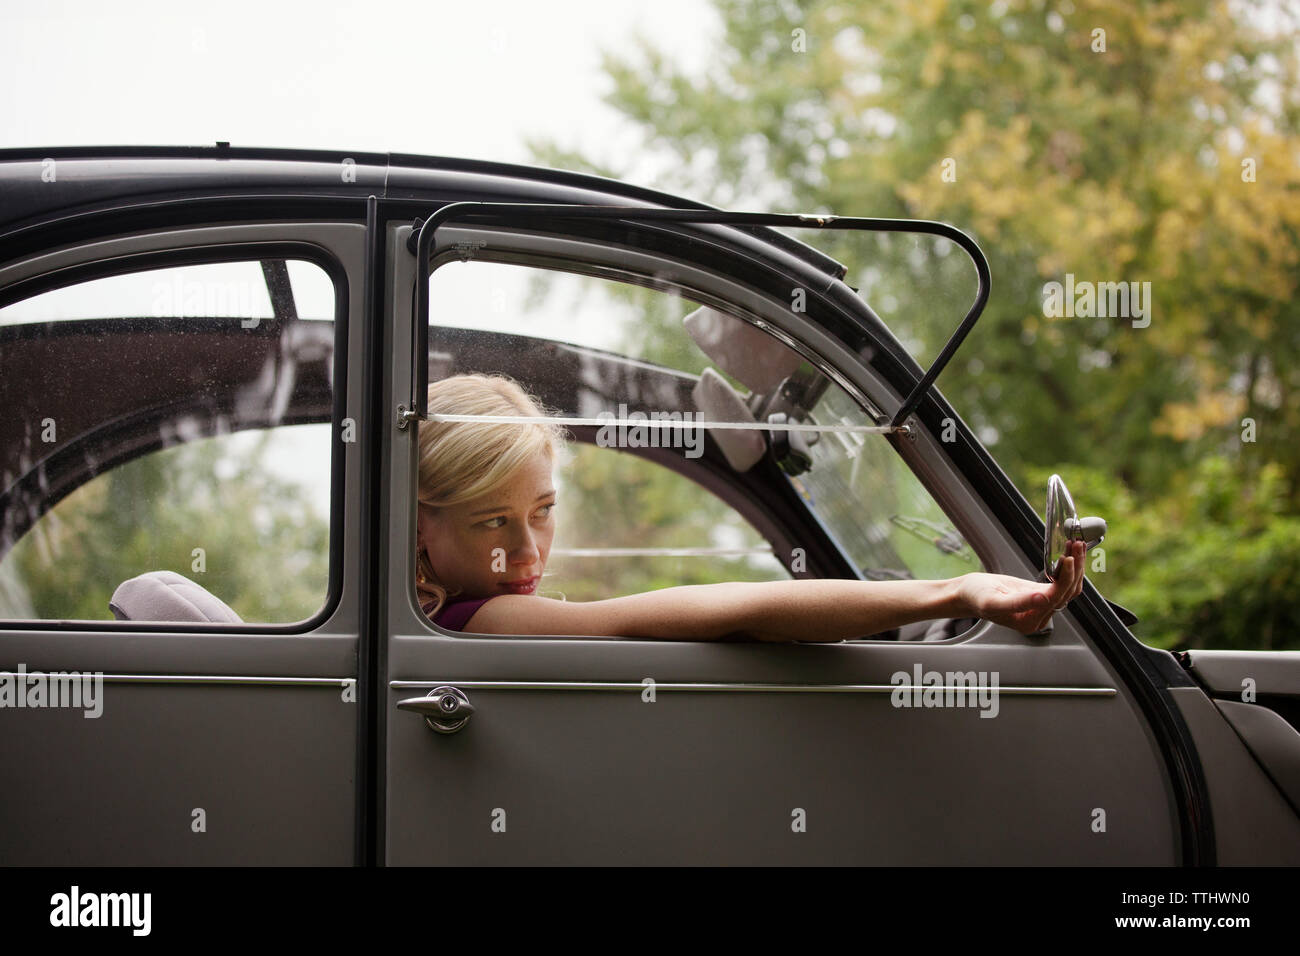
(522, 586)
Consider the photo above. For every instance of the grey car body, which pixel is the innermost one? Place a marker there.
(289, 738)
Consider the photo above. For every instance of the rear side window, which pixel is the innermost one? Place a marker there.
(168, 440)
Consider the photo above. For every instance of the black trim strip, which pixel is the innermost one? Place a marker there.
(372, 649)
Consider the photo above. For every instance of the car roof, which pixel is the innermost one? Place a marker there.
(43, 184)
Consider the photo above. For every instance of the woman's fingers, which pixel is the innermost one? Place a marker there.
(1072, 575)
(1067, 588)
(1076, 584)
(1063, 590)
(1064, 582)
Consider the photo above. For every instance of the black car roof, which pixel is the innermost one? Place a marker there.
(83, 178)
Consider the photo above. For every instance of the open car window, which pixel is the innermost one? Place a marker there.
(747, 504)
(168, 452)
(634, 513)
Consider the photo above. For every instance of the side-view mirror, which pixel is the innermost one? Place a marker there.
(1065, 526)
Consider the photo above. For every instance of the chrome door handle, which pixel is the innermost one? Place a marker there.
(446, 709)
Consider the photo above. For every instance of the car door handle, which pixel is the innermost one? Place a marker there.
(446, 709)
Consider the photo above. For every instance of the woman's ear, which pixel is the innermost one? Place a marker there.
(425, 530)
(421, 529)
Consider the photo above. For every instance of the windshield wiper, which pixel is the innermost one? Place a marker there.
(887, 574)
(946, 540)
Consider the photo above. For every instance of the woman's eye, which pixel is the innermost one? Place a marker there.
(496, 522)
(545, 510)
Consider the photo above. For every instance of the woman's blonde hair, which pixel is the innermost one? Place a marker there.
(459, 461)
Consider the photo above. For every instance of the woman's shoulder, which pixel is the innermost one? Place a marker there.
(455, 614)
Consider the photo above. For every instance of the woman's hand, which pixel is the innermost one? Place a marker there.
(1024, 605)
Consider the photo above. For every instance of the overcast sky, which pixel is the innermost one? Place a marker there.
(434, 77)
(455, 79)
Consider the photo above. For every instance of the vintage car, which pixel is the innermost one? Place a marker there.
(213, 364)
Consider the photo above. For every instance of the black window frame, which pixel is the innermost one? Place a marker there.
(209, 253)
(829, 559)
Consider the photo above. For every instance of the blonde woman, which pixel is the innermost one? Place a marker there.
(487, 515)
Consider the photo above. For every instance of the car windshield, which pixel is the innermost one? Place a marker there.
(870, 502)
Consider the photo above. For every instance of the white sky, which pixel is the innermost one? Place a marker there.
(454, 79)
(434, 77)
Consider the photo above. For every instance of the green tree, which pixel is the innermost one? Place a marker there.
(264, 548)
(1116, 142)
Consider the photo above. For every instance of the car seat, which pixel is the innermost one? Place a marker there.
(168, 596)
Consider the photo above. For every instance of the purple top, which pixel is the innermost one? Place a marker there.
(454, 615)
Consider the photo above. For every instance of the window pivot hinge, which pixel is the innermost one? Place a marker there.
(406, 415)
(413, 240)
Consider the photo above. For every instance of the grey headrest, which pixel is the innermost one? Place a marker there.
(754, 358)
(719, 402)
(168, 596)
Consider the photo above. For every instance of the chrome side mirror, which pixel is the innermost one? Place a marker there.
(1065, 526)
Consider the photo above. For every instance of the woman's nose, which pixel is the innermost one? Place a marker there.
(524, 550)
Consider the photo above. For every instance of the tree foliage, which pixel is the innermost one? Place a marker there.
(261, 546)
(1109, 141)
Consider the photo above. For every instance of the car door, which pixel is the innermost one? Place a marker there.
(652, 752)
(179, 401)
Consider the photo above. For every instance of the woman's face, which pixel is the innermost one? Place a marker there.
(497, 543)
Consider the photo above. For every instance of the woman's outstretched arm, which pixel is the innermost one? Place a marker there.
(799, 610)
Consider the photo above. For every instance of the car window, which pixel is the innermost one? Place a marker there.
(592, 346)
(163, 422)
(628, 525)
(626, 522)
(874, 506)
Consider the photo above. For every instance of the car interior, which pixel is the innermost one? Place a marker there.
(280, 373)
